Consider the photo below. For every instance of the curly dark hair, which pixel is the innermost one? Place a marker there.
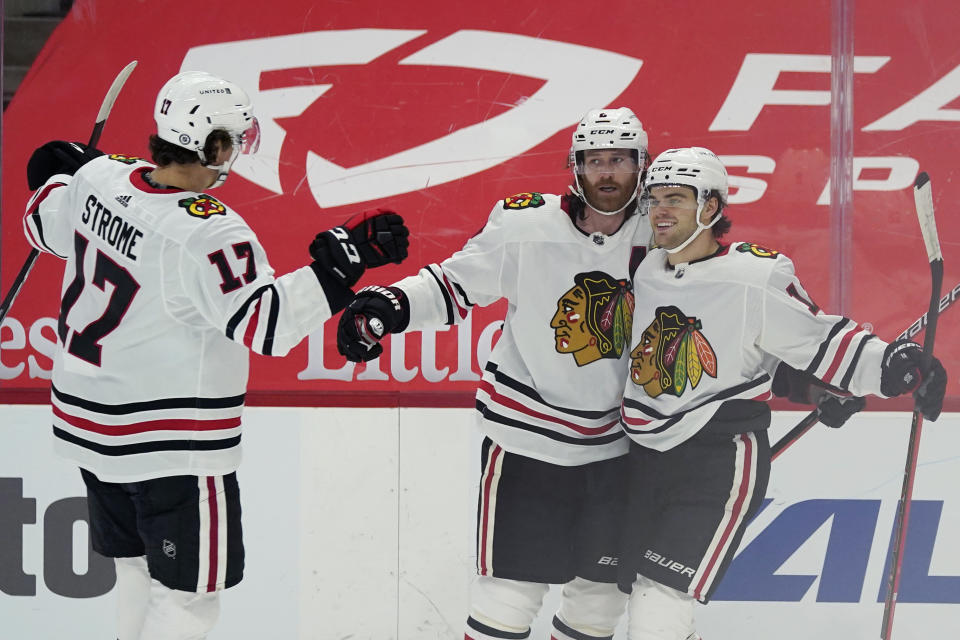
(166, 153)
(722, 225)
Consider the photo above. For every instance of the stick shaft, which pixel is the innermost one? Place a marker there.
(105, 108)
(924, 202)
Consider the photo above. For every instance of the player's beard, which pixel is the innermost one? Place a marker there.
(611, 200)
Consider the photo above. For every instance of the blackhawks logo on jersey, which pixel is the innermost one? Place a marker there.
(119, 157)
(526, 200)
(672, 351)
(757, 250)
(203, 206)
(594, 317)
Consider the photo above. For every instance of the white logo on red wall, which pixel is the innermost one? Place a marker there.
(566, 74)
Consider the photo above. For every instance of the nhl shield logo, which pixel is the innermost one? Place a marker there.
(169, 549)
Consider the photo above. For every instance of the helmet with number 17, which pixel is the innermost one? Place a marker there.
(697, 168)
(616, 128)
(194, 104)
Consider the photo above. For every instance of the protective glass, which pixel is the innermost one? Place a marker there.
(607, 163)
(671, 202)
(249, 141)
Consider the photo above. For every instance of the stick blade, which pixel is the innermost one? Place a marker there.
(923, 198)
(114, 91)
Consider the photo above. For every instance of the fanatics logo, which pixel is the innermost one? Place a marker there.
(169, 549)
(124, 200)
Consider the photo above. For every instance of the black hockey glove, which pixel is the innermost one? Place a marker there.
(373, 313)
(833, 409)
(370, 239)
(380, 235)
(906, 368)
(57, 156)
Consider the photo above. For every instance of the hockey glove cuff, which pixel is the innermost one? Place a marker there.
(57, 156)
(373, 313)
(906, 368)
(833, 408)
(335, 252)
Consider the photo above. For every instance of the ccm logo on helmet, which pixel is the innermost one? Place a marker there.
(600, 132)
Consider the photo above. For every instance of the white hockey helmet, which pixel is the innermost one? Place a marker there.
(615, 128)
(192, 104)
(694, 167)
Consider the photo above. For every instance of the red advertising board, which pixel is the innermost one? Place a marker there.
(439, 109)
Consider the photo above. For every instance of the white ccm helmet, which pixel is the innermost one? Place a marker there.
(192, 104)
(616, 128)
(694, 167)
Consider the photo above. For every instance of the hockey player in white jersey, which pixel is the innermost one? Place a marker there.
(551, 483)
(166, 290)
(710, 322)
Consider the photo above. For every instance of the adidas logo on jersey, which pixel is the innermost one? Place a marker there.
(124, 200)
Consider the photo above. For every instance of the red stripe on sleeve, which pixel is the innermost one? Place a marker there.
(35, 205)
(838, 356)
(252, 325)
(460, 310)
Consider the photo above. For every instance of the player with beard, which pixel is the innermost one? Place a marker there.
(550, 492)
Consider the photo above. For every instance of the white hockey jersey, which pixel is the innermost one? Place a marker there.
(713, 330)
(551, 388)
(164, 293)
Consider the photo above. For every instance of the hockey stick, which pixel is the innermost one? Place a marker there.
(794, 434)
(813, 417)
(928, 227)
(102, 116)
